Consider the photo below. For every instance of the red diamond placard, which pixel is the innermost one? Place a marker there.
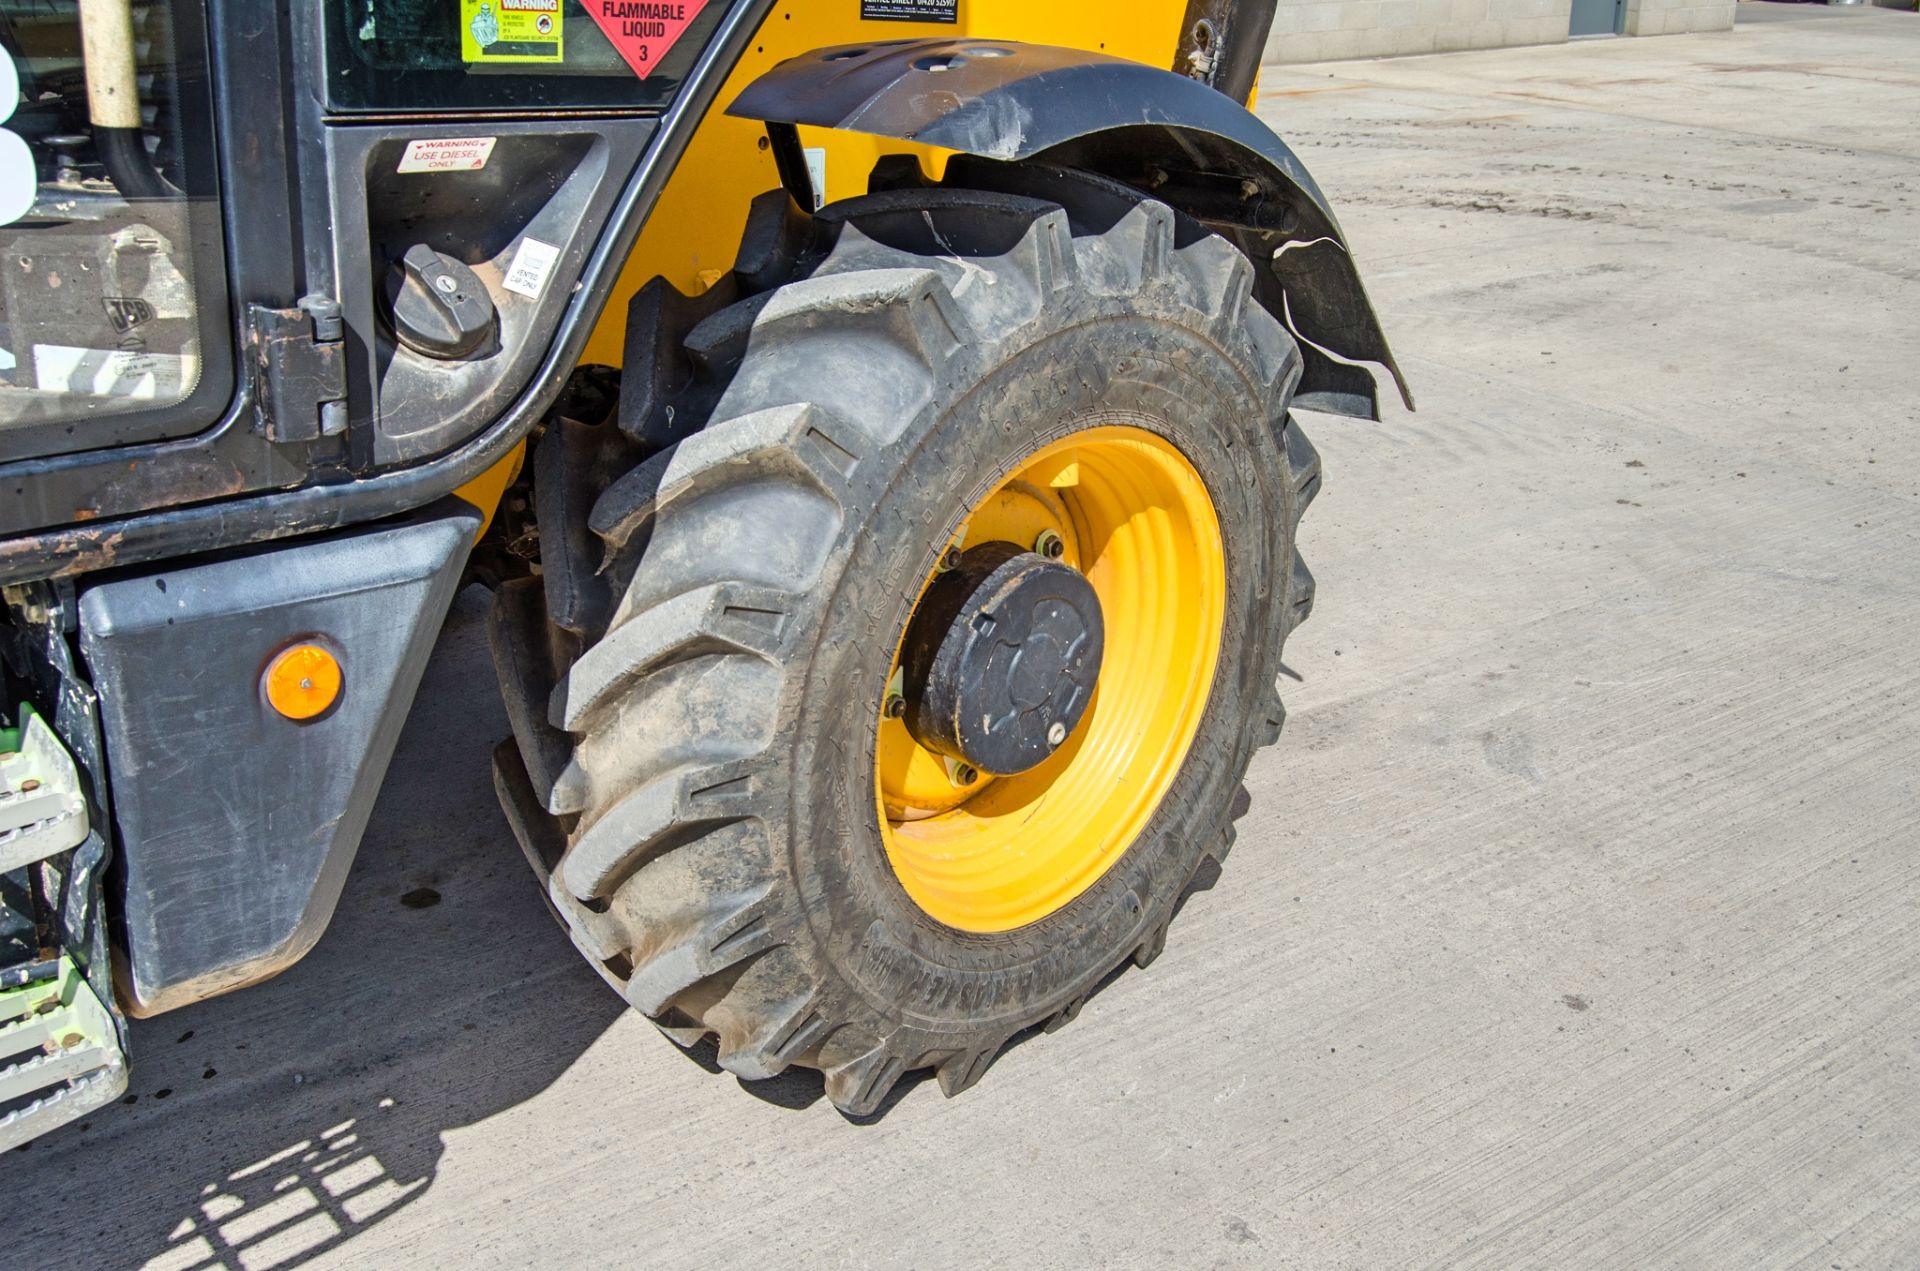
(643, 30)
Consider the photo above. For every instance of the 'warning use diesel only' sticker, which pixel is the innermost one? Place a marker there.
(643, 30)
(510, 30)
(446, 154)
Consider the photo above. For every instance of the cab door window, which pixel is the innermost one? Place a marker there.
(113, 321)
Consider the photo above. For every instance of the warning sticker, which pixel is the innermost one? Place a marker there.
(910, 10)
(643, 30)
(510, 30)
(446, 154)
(532, 261)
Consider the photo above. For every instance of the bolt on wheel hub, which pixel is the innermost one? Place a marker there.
(1001, 659)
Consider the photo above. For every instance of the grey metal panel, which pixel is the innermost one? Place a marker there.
(1597, 17)
(237, 825)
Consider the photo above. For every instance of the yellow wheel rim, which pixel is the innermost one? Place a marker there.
(998, 853)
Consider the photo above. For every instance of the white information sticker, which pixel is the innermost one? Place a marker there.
(817, 174)
(129, 373)
(532, 261)
(446, 154)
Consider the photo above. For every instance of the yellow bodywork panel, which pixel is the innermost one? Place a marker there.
(484, 491)
(694, 232)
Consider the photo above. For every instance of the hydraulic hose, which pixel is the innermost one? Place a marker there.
(113, 99)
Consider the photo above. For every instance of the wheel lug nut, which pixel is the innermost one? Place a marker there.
(1050, 545)
(1056, 733)
(896, 706)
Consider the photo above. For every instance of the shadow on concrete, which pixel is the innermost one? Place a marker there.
(271, 1126)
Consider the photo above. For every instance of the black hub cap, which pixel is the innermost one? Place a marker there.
(1001, 658)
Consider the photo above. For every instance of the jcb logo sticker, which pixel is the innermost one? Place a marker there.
(126, 312)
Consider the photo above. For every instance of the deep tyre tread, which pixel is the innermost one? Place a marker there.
(717, 868)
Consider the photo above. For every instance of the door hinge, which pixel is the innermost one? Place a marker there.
(299, 366)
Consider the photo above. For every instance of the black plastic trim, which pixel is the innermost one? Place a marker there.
(236, 825)
(1167, 135)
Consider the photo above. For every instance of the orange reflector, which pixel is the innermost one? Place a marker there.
(303, 681)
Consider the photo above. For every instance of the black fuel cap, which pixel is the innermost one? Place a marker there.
(439, 306)
(1001, 658)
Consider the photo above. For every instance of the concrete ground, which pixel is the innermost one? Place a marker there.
(1576, 920)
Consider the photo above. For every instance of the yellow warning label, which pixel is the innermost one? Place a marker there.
(510, 30)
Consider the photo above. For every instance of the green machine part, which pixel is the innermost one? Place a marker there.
(60, 1050)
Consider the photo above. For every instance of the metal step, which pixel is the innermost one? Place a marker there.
(42, 811)
(60, 1055)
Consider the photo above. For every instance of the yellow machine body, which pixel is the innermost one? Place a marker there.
(692, 235)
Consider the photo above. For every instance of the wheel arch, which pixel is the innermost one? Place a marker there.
(1169, 136)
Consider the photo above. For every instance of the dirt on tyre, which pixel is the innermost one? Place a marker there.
(936, 646)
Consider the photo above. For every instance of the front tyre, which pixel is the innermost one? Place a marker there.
(942, 647)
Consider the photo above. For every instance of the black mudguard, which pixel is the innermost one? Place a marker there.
(1170, 136)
